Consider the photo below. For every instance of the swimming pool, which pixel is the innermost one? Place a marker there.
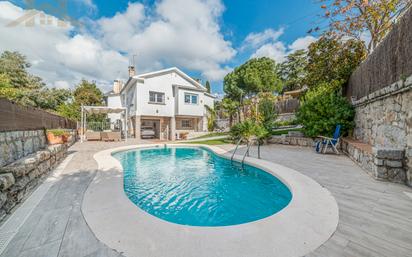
(193, 186)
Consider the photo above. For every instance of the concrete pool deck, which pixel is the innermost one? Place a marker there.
(306, 223)
(374, 217)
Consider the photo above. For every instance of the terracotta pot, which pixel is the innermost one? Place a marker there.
(66, 138)
(54, 140)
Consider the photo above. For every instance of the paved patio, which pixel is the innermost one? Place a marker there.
(375, 217)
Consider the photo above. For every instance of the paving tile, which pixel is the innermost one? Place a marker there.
(375, 217)
(50, 227)
(50, 249)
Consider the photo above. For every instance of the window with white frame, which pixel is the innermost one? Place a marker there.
(186, 124)
(191, 98)
(156, 97)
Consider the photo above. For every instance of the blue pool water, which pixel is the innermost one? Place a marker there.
(194, 186)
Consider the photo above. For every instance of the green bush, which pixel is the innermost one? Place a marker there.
(248, 129)
(57, 132)
(267, 112)
(285, 123)
(241, 130)
(322, 109)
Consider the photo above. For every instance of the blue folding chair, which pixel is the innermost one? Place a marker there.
(326, 142)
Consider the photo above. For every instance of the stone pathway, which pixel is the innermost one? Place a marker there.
(375, 217)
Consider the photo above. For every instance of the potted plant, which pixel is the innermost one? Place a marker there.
(67, 137)
(56, 136)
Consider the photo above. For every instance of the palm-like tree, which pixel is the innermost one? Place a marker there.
(231, 107)
(211, 120)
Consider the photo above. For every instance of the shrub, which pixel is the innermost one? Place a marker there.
(322, 109)
(241, 130)
(248, 129)
(57, 132)
(267, 112)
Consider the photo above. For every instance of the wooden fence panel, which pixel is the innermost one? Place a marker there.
(287, 106)
(388, 63)
(14, 117)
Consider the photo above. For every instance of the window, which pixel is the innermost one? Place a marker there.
(156, 97)
(191, 98)
(187, 124)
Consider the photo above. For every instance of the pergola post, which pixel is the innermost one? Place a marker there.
(125, 126)
(81, 126)
(84, 123)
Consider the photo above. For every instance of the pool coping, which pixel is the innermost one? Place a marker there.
(307, 222)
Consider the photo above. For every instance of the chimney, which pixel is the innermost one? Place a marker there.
(132, 71)
(117, 86)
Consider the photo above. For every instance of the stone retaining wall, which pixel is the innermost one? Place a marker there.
(25, 158)
(381, 163)
(286, 117)
(384, 120)
(291, 140)
(19, 178)
(17, 144)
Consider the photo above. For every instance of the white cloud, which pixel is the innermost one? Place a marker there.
(301, 43)
(61, 84)
(267, 44)
(88, 3)
(183, 33)
(276, 51)
(58, 58)
(254, 40)
(217, 73)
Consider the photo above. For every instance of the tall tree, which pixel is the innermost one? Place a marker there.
(363, 18)
(207, 85)
(231, 107)
(15, 65)
(4, 81)
(255, 76)
(87, 93)
(293, 70)
(332, 60)
(18, 85)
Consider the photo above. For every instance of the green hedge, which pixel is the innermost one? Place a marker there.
(322, 109)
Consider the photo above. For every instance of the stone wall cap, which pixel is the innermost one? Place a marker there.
(388, 153)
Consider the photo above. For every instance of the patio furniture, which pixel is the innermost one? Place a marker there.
(326, 142)
(111, 136)
(183, 135)
(91, 135)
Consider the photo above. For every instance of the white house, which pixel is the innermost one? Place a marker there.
(112, 99)
(168, 100)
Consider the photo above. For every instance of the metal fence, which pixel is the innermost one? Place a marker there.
(14, 117)
(390, 62)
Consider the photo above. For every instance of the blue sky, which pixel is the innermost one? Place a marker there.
(205, 38)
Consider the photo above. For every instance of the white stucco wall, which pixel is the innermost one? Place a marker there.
(209, 101)
(128, 100)
(157, 84)
(114, 101)
(190, 109)
(165, 83)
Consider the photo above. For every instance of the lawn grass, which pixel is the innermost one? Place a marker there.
(213, 134)
(285, 131)
(221, 141)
